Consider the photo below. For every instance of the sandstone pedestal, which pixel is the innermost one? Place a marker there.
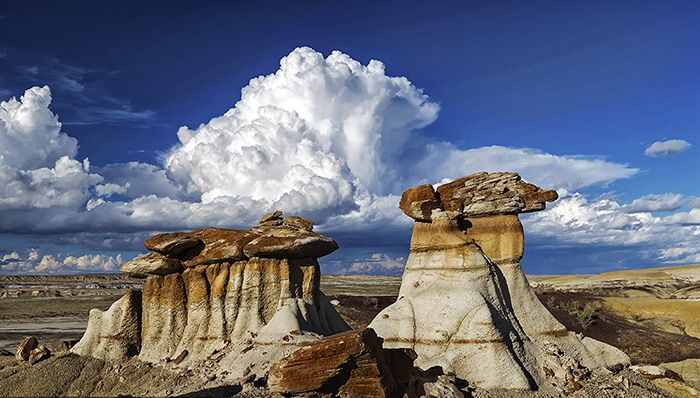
(246, 298)
(465, 304)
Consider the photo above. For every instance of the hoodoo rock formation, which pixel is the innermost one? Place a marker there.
(245, 297)
(465, 304)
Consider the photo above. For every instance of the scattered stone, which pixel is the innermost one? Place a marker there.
(4, 352)
(38, 354)
(335, 302)
(152, 264)
(349, 364)
(442, 388)
(57, 346)
(299, 223)
(25, 348)
(275, 215)
(651, 372)
(180, 357)
(173, 244)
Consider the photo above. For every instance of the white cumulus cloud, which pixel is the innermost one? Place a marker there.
(30, 134)
(600, 223)
(665, 148)
(307, 137)
(323, 137)
(34, 262)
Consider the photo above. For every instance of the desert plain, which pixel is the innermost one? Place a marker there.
(653, 315)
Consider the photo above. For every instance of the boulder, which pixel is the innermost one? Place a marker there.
(38, 354)
(25, 348)
(275, 215)
(465, 304)
(350, 364)
(419, 202)
(172, 245)
(58, 346)
(152, 264)
(442, 388)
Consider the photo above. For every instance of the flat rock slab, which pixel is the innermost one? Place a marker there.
(220, 245)
(301, 244)
(152, 264)
(172, 244)
(476, 195)
(349, 364)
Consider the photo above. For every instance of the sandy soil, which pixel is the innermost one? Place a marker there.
(44, 329)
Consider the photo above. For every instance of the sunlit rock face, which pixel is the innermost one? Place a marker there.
(465, 304)
(221, 292)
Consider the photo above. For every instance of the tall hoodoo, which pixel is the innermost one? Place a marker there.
(464, 302)
(221, 291)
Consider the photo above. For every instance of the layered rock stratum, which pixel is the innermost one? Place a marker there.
(465, 304)
(245, 298)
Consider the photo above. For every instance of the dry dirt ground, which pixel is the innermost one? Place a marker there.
(649, 329)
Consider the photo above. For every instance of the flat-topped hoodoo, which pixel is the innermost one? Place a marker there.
(465, 304)
(221, 291)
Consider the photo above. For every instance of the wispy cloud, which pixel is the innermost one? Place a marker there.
(85, 97)
(667, 148)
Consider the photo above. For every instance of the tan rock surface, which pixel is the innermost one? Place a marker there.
(38, 354)
(464, 302)
(227, 299)
(419, 202)
(25, 348)
(220, 245)
(299, 245)
(689, 370)
(172, 244)
(349, 364)
(493, 193)
(152, 264)
(115, 334)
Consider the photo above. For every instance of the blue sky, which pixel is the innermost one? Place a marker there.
(599, 100)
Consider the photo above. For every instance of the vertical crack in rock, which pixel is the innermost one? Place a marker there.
(220, 291)
(464, 302)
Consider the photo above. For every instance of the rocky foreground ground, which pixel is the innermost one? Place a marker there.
(359, 299)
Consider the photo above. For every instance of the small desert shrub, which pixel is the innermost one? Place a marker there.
(370, 301)
(572, 306)
(585, 315)
(551, 302)
(637, 317)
